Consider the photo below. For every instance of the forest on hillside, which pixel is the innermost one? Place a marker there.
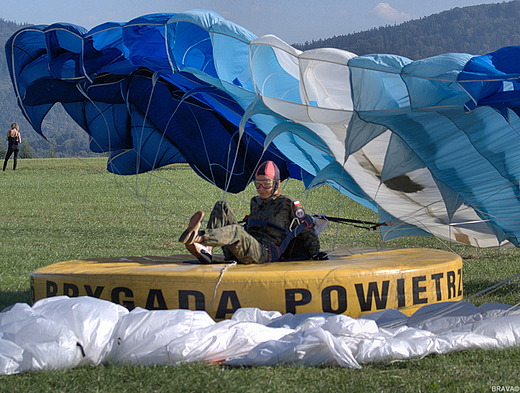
(476, 30)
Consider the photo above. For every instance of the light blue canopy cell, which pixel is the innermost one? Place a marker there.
(431, 145)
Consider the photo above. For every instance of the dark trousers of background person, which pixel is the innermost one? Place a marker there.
(8, 155)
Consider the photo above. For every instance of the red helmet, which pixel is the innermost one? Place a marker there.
(269, 169)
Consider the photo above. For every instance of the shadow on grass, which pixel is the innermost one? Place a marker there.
(8, 298)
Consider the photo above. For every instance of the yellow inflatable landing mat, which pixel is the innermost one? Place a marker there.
(353, 284)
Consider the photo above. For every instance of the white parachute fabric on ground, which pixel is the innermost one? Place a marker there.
(308, 344)
(91, 320)
(36, 343)
(62, 333)
(223, 341)
(58, 333)
(141, 336)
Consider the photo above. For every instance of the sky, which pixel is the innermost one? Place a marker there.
(294, 21)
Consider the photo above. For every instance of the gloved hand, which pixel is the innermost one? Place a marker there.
(321, 256)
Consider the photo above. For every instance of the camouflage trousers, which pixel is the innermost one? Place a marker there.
(224, 231)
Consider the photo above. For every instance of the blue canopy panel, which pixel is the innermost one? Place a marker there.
(432, 145)
(115, 87)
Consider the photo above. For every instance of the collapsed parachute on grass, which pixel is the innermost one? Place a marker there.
(60, 333)
(431, 145)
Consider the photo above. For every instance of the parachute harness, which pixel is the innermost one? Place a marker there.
(290, 234)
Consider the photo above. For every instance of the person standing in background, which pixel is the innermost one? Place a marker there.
(15, 140)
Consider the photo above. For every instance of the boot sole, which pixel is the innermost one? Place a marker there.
(189, 235)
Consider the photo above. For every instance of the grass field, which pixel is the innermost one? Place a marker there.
(60, 209)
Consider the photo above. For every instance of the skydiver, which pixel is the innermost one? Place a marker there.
(276, 229)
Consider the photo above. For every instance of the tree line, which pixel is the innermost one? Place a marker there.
(476, 30)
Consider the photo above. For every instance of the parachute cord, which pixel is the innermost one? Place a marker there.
(511, 291)
(258, 162)
(153, 164)
(336, 236)
(83, 92)
(339, 202)
(126, 183)
(447, 244)
(184, 99)
(152, 173)
(241, 129)
(346, 245)
(492, 289)
(218, 282)
(138, 160)
(496, 264)
(231, 162)
(187, 95)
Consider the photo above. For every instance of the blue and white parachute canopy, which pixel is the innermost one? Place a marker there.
(432, 145)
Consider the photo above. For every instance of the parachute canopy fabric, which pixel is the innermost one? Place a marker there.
(62, 333)
(431, 145)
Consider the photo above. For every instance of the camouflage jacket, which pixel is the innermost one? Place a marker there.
(279, 210)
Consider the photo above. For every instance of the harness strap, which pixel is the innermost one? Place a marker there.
(274, 251)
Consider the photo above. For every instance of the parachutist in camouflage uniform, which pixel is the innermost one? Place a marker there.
(276, 229)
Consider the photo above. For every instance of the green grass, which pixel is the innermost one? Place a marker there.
(60, 209)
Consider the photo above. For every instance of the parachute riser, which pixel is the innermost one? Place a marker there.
(371, 226)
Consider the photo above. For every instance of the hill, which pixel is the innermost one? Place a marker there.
(475, 30)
